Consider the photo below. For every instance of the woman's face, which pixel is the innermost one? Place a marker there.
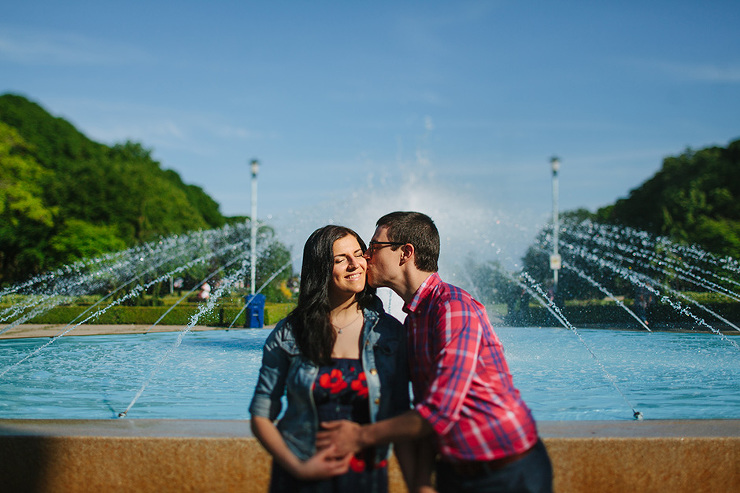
(348, 274)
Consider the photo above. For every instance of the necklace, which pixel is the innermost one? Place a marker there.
(340, 329)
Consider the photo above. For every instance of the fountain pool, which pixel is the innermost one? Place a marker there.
(564, 374)
(211, 375)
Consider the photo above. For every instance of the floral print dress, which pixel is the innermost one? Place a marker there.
(340, 392)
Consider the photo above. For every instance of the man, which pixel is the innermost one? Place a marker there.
(485, 436)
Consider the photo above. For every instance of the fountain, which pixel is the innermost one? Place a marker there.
(476, 239)
(566, 370)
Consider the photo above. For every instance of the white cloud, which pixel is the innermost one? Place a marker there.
(163, 128)
(41, 47)
(237, 133)
(705, 72)
(428, 123)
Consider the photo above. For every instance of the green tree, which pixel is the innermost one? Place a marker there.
(20, 181)
(58, 187)
(274, 257)
(25, 220)
(78, 239)
(693, 198)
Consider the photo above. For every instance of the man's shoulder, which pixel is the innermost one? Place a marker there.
(437, 295)
(445, 292)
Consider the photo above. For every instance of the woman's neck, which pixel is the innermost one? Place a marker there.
(347, 321)
(344, 308)
(341, 304)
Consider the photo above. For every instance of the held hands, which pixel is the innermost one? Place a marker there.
(324, 464)
(344, 436)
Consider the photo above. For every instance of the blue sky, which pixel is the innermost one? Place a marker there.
(346, 101)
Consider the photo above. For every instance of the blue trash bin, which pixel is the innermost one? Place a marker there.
(255, 311)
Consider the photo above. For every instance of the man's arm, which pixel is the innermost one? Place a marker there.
(416, 459)
(458, 336)
(347, 436)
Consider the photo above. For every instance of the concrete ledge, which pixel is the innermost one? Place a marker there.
(130, 455)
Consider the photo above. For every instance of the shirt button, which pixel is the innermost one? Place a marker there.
(373, 372)
(377, 401)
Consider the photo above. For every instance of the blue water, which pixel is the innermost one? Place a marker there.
(211, 375)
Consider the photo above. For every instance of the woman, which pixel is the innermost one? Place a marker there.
(337, 355)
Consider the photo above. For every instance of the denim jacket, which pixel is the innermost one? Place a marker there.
(285, 370)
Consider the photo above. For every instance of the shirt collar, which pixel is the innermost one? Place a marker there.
(423, 292)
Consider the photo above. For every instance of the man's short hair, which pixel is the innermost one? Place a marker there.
(419, 230)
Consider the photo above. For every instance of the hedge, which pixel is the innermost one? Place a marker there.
(660, 316)
(142, 315)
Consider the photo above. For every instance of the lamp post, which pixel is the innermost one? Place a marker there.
(255, 166)
(555, 257)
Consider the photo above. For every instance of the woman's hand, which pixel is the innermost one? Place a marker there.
(343, 435)
(324, 464)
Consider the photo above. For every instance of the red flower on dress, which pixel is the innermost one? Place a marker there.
(356, 464)
(333, 381)
(360, 385)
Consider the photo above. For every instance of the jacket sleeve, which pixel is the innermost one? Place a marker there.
(270, 387)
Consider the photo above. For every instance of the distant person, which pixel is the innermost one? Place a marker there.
(642, 304)
(205, 291)
(337, 355)
(484, 434)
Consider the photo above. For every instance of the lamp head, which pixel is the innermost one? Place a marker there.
(255, 165)
(555, 163)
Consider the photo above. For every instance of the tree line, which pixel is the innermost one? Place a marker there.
(64, 197)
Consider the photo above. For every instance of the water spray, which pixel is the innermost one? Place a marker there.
(568, 325)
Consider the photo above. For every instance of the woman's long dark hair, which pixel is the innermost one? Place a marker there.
(310, 320)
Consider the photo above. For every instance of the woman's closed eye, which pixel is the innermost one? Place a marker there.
(343, 258)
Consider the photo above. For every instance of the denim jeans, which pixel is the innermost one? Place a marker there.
(531, 474)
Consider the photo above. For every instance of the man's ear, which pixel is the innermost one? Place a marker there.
(407, 253)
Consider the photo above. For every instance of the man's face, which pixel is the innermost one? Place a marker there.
(383, 260)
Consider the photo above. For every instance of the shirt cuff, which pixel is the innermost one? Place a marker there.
(440, 425)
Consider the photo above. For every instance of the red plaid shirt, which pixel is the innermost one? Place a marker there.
(461, 382)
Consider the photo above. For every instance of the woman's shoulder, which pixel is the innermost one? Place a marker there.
(281, 335)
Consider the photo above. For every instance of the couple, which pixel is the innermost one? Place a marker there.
(345, 366)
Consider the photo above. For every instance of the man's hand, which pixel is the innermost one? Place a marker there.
(345, 436)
